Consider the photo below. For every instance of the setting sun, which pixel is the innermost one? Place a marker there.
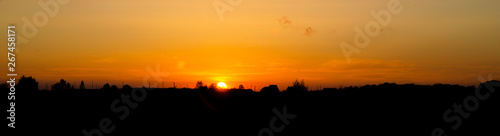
(221, 85)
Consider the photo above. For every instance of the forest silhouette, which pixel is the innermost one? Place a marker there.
(383, 109)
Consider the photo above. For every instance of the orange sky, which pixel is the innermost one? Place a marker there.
(117, 40)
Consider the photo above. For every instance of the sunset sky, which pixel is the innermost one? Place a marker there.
(112, 41)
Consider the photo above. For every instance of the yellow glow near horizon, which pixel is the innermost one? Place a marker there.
(221, 85)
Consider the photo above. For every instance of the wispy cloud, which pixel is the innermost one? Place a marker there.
(287, 24)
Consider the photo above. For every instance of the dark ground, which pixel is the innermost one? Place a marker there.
(385, 109)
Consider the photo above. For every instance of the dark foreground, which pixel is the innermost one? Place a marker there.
(386, 109)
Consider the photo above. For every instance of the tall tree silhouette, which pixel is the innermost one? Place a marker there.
(82, 86)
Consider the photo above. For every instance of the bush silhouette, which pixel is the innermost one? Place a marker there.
(62, 85)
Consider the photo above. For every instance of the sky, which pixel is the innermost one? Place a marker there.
(257, 43)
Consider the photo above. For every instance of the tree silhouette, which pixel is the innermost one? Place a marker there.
(213, 86)
(82, 86)
(241, 87)
(28, 84)
(62, 85)
(297, 87)
(199, 84)
(127, 87)
(106, 86)
(113, 87)
(4, 86)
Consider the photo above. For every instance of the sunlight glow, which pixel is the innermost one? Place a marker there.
(221, 85)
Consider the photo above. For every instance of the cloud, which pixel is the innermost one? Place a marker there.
(287, 24)
(372, 65)
(106, 60)
(309, 31)
(241, 65)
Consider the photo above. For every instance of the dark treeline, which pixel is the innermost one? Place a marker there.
(384, 109)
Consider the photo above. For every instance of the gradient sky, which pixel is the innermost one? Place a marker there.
(117, 40)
